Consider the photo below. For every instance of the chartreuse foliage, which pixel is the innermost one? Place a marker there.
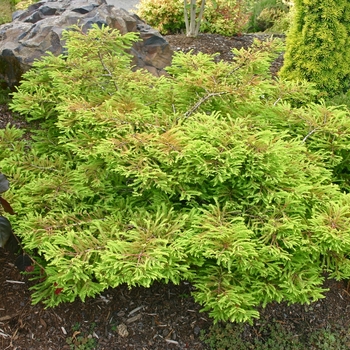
(318, 47)
(215, 174)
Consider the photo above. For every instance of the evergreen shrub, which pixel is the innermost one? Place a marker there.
(226, 17)
(318, 47)
(216, 174)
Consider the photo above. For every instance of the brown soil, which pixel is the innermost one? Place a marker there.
(215, 43)
(161, 317)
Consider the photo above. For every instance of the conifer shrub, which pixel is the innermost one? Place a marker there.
(226, 17)
(216, 174)
(318, 45)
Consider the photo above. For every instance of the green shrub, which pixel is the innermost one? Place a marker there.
(6, 10)
(204, 175)
(318, 47)
(22, 4)
(224, 17)
(269, 15)
(164, 15)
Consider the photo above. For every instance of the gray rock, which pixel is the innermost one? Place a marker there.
(39, 29)
(129, 5)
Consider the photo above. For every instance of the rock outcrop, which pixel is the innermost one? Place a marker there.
(38, 29)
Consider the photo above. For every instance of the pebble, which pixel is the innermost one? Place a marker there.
(122, 330)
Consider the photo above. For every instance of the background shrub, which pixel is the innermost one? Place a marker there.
(317, 47)
(164, 15)
(6, 9)
(226, 17)
(269, 15)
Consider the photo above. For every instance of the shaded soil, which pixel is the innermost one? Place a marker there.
(158, 318)
(221, 45)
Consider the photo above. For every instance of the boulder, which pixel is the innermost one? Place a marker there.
(38, 29)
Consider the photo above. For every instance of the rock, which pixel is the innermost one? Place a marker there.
(196, 331)
(38, 29)
(5, 231)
